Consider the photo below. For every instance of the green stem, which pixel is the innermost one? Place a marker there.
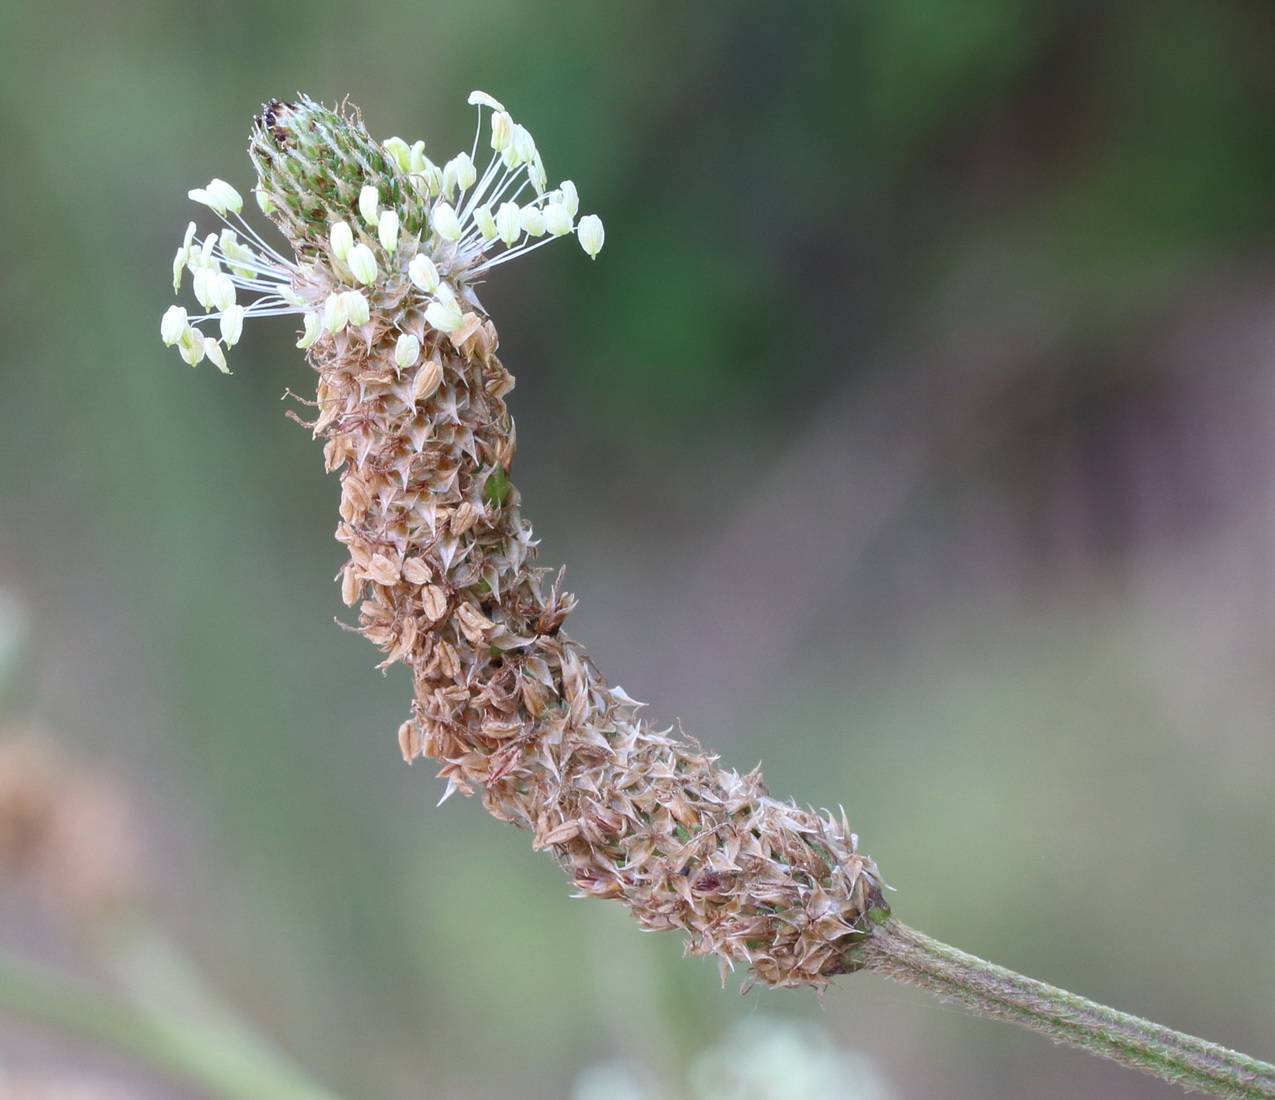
(908, 956)
(228, 1066)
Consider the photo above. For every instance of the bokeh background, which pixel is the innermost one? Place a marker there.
(912, 435)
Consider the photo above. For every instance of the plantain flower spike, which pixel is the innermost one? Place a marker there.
(385, 252)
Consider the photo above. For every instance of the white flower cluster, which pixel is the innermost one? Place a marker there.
(475, 223)
(265, 273)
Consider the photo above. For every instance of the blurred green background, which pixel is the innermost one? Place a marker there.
(912, 434)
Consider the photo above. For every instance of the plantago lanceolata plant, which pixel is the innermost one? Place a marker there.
(386, 249)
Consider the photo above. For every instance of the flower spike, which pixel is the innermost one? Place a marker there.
(386, 251)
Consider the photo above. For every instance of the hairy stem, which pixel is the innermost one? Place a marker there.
(226, 1065)
(908, 956)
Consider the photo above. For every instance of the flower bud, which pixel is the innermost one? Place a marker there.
(369, 204)
(400, 151)
(362, 264)
(387, 230)
(341, 238)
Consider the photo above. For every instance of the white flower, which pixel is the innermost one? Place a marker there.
(336, 313)
(407, 350)
(387, 230)
(191, 345)
(214, 288)
(591, 234)
(502, 131)
(557, 220)
(459, 173)
(173, 325)
(482, 99)
(523, 145)
(445, 313)
(446, 223)
(356, 307)
(312, 329)
(239, 257)
(369, 204)
(509, 222)
(485, 222)
(400, 151)
(533, 222)
(536, 173)
(570, 197)
(212, 349)
(220, 196)
(183, 255)
(423, 273)
(362, 264)
(341, 238)
(232, 326)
